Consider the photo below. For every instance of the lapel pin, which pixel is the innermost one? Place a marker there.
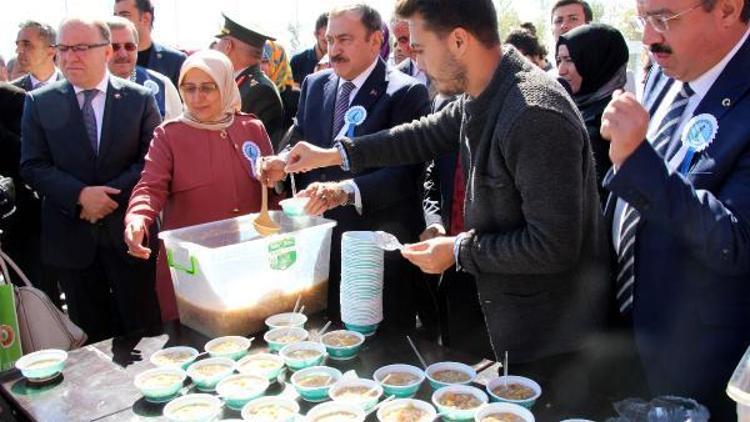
(726, 102)
(374, 92)
(117, 95)
(158, 55)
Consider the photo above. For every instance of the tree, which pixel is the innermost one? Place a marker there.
(507, 17)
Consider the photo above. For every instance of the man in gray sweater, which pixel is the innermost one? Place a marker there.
(535, 239)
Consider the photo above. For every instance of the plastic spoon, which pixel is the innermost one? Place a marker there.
(505, 370)
(263, 223)
(379, 405)
(324, 329)
(416, 352)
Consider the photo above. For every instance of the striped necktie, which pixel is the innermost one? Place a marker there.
(342, 104)
(89, 118)
(625, 279)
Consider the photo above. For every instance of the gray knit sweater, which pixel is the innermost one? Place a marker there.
(537, 244)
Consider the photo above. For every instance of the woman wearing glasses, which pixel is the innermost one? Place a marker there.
(593, 60)
(200, 167)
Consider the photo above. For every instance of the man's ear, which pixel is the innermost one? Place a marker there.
(458, 41)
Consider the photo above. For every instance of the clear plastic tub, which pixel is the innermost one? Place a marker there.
(739, 388)
(228, 279)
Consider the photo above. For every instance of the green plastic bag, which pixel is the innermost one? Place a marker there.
(10, 342)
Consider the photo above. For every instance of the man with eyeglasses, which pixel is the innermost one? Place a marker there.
(151, 55)
(123, 64)
(35, 49)
(243, 44)
(83, 147)
(680, 202)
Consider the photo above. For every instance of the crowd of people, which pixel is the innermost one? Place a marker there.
(594, 226)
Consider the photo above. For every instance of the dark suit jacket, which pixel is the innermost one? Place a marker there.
(691, 310)
(303, 64)
(24, 82)
(391, 196)
(58, 162)
(11, 109)
(167, 61)
(260, 97)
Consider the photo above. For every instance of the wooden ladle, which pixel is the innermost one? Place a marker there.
(263, 223)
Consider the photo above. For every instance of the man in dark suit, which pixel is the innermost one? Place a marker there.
(35, 49)
(151, 55)
(84, 142)
(11, 109)
(680, 203)
(244, 47)
(386, 199)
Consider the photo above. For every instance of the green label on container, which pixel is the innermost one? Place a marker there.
(10, 343)
(282, 253)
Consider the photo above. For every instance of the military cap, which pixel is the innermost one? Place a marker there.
(250, 34)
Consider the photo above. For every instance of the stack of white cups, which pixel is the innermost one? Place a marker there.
(361, 282)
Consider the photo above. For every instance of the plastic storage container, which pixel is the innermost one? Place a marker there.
(738, 388)
(228, 279)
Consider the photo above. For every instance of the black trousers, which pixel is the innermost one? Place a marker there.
(461, 318)
(113, 296)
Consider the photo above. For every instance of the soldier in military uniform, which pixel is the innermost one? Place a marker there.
(244, 47)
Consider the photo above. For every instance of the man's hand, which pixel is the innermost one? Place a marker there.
(432, 231)
(323, 197)
(305, 157)
(96, 203)
(431, 256)
(624, 124)
(271, 170)
(135, 234)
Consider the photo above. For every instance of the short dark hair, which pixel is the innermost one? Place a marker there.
(526, 42)
(588, 14)
(478, 17)
(46, 32)
(321, 22)
(144, 6)
(529, 26)
(708, 5)
(369, 17)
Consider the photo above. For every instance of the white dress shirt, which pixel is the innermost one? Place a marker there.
(53, 78)
(97, 103)
(358, 82)
(700, 85)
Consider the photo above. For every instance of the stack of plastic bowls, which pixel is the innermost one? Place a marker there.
(361, 282)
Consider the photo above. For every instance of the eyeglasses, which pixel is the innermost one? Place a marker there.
(205, 89)
(128, 46)
(660, 22)
(78, 48)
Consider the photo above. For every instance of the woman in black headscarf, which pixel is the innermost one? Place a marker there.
(593, 60)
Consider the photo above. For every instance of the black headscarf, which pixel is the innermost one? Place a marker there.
(600, 54)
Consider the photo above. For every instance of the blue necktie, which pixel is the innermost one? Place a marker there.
(342, 104)
(89, 118)
(625, 279)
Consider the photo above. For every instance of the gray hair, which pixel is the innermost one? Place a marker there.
(118, 22)
(98, 24)
(46, 32)
(369, 17)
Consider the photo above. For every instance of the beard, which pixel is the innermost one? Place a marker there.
(453, 77)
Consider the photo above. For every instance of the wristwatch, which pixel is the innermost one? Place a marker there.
(349, 190)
